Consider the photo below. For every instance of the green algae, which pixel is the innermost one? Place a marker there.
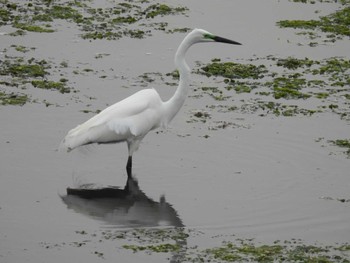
(336, 25)
(121, 20)
(231, 252)
(23, 70)
(248, 251)
(322, 95)
(51, 85)
(102, 35)
(199, 116)
(114, 26)
(276, 92)
(33, 28)
(288, 88)
(233, 70)
(5, 16)
(174, 241)
(333, 65)
(300, 79)
(293, 63)
(13, 99)
(186, 245)
(215, 93)
(61, 12)
(343, 2)
(21, 48)
(295, 79)
(342, 143)
(162, 10)
(109, 23)
(288, 93)
(161, 248)
(24, 74)
(174, 74)
(272, 107)
(242, 88)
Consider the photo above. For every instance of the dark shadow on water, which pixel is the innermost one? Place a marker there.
(121, 207)
(127, 207)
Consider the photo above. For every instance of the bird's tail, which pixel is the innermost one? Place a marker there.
(66, 145)
(73, 139)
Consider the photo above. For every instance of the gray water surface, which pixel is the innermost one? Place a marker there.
(266, 177)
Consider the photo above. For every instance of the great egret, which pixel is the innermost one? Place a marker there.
(131, 119)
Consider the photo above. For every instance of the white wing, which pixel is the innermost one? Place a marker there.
(130, 118)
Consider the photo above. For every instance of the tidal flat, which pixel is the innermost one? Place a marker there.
(254, 168)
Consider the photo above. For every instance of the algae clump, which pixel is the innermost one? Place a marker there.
(336, 25)
(233, 70)
(13, 99)
(50, 85)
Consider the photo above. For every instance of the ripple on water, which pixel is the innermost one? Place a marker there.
(279, 194)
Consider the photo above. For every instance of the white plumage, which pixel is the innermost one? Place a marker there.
(131, 119)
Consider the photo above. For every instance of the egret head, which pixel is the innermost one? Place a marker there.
(201, 35)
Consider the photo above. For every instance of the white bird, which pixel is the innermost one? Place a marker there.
(131, 119)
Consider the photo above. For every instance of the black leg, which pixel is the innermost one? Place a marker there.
(129, 167)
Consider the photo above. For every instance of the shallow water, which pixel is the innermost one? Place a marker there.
(266, 177)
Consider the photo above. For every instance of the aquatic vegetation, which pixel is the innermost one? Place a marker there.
(18, 68)
(231, 252)
(163, 9)
(181, 245)
(242, 88)
(215, 93)
(174, 241)
(321, 1)
(161, 248)
(288, 88)
(334, 66)
(13, 99)
(23, 74)
(51, 85)
(60, 12)
(343, 143)
(282, 83)
(21, 48)
(322, 95)
(102, 35)
(338, 144)
(276, 108)
(174, 74)
(109, 23)
(5, 16)
(294, 63)
(33, 28)
(297, 79)
(270, 85)
(336, 25)
(233, 70)
(288, 93)
(199, 116)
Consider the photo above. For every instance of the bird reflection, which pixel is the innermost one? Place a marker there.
(124, 208)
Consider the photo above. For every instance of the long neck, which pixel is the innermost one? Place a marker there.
(173, 105)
